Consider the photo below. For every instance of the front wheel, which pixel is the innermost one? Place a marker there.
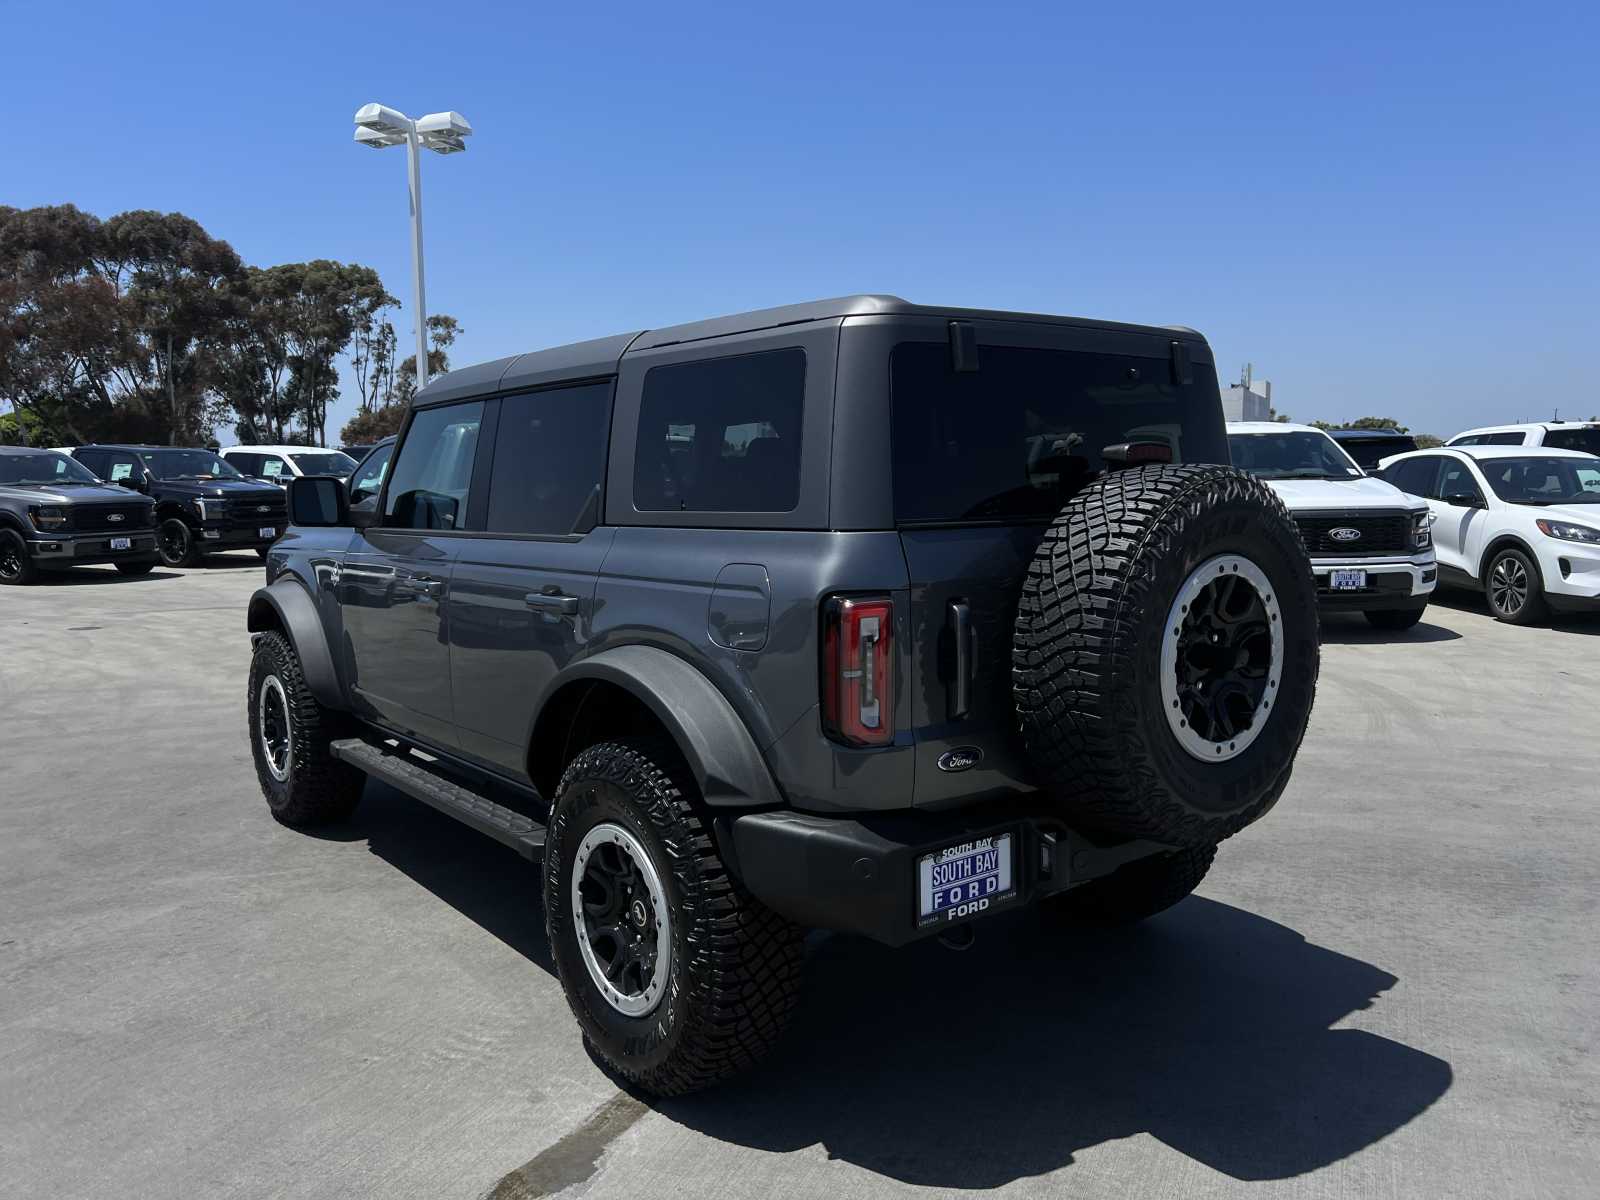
(16, 567)
(289, 735)
(175, 543)
(1514, 589)
(1394, 618)
(678, 977)
(1139, 890)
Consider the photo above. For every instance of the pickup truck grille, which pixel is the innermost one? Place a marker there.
(1381, 533)
(113, 517)
(257, 511)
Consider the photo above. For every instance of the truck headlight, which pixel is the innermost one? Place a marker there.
(48, 516)
(211, 513)
(1568, 532)
(1422, 530)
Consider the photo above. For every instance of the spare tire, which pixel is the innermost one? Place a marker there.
(1165, 653)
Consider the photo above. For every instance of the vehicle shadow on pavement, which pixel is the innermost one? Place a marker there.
(485, 882)
(1463, 601)
(1207, 1027)
(90, 577)
(1353, 630)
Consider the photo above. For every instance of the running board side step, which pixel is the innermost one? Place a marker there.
(405, 772)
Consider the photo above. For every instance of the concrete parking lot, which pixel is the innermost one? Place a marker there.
(1388, 988)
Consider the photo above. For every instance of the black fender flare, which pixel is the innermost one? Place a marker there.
(286, 605)
(722, 756)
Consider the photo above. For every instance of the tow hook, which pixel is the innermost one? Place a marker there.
(959, 938)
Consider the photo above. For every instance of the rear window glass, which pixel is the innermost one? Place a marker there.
(1587, 438)
(549, 455)
(721, 435)
(1015, 439)
(1368, 451)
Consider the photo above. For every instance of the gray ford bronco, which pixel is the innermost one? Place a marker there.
(856, 615)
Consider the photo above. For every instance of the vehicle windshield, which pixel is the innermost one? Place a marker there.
(44, 467)
(1543, 481)
(188, 464)
(1583, 437)
(1293, 454)
(323, 462)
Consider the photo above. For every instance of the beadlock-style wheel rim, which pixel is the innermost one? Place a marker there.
(274, 732)
(620, 914)
(1221, 658)
(1508, 586)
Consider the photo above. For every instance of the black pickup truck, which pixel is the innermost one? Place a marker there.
(54, 513)
(203, 505)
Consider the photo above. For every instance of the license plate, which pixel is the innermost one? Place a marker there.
(965, 879)
(1347, 581)
(268, 531)
(122, 543)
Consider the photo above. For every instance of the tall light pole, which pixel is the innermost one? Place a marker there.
(379, 126)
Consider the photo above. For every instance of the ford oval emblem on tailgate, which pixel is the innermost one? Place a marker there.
(962, 759)
(1345, 534)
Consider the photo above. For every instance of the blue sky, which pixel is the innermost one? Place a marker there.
(1388, 208)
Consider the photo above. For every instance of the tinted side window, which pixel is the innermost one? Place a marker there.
(1585, 438)
(272, 466)
(245, 464)
(433, 472)
(1504, 439)
(120, 466)
(549, 456)
(95, 460)
(1414, 475)
(1455, 479)
(721, 435)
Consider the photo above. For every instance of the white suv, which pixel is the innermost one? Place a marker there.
(1558, 435)
(279, 464)
(1522, 524)
(1370, 546)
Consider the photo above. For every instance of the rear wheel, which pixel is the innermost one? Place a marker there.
(679, 977)
(175, 543)
(1514, 589)
(1165, 653)
(1394, 618)
(1139, 890)
(289, 734)
(16, 566)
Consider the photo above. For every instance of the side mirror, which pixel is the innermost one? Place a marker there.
(318, 501)
(1464, 500)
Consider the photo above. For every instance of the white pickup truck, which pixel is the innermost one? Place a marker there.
(1371, 545)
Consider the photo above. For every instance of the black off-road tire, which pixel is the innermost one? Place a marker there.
(318, 789)
(176, 544)
(16, 566)
(1087, 652)
(136, 568)
(1534, 608)
(1139, 890)
(1394, 618)
(736, 965)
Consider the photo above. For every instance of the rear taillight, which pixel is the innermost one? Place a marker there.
(857, 674)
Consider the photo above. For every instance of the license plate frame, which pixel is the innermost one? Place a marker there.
(966, 878)
(1347, 579)
(267, 531)
(120, 543)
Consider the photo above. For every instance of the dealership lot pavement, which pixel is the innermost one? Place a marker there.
(1389, 987)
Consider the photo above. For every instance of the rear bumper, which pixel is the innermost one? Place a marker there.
(86, 549)
(1392, 582)
(859, 875)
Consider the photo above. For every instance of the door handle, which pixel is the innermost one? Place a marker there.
(553, 602)
(961, 626)
(427, 586)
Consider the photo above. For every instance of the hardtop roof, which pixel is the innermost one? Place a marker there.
(600, 356)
